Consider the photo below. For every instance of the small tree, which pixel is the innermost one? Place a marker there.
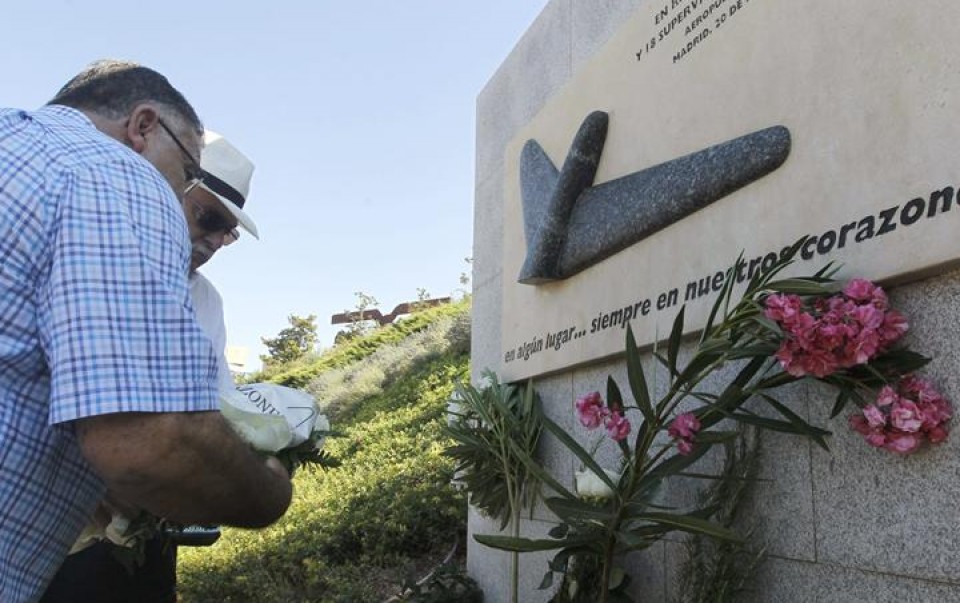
(292, 342)
(464, 289)
(361, 325)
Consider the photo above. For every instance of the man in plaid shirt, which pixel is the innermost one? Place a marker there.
(106, 381)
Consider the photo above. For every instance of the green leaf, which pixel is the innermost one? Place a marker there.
(694, 525)
(752, 351)
(559, 561)
(781, 264)
(747, 373)
(527, 545)
(781, 426)
(539, 472)
(573, 446)
(675, 464)
(614, 397)
(767, 324)
(722, 299)
(778, 380)
(547, 581)
(901, 361)
(571, 510)
(638, 382)
(559, 531)
(799, 286)
(707, 353)
(673, 346)
(814, 433)
(633, 541)
(842, 398)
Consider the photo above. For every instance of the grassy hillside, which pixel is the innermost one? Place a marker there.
(354, 533)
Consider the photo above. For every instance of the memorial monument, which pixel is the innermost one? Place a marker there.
(628, 151)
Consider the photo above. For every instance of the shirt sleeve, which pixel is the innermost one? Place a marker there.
(114, 312)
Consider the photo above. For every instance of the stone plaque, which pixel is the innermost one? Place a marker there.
(860, 98)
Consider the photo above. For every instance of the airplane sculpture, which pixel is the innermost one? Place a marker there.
(571, 224)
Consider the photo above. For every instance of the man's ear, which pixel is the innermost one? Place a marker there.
(143, 120)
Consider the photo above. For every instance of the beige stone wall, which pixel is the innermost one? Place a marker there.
(850, 525)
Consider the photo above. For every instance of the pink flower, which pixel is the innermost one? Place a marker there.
(921, 389)
(590, 410)
(859, 424)
(804, 330)
(868, 316)
(685, 426)
(827, 334)
(862, 290)
(685, 447)
(893, 327)
(937, 434)
(887, 396)
(942, 408)
(902, 443)
(782, 308)
(819, 363)
(863, 347)
(618, 427)
(905, 416)
(875, 418)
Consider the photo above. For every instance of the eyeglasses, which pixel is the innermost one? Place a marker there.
(193, 173)
(214, 223)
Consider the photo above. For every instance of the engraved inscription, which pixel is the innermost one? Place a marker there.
(682, 26)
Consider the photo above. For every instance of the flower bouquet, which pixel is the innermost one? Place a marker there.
(275, 420)
(279, 421)
(780, 331)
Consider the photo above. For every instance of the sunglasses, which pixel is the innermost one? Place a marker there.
(192, 172)
(214, 223)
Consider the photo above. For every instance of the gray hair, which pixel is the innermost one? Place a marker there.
(113, 88)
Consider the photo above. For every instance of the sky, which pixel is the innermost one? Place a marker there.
(359, 116)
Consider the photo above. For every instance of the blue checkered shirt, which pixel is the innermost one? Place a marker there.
(95, 318)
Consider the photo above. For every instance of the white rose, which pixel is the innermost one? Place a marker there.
(589, 484)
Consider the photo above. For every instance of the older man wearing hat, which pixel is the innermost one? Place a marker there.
(93, 572)
(214, 210)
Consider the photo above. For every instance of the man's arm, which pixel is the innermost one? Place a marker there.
(187, 467)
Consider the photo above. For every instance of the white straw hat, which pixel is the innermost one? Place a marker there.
(227, 177)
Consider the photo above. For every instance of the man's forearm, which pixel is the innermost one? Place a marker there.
(187, 467)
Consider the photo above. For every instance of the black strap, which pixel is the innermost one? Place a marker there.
(223, 189)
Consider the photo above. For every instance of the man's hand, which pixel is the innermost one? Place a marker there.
(186, 467)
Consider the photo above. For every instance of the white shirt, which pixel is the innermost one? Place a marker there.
(208, 306)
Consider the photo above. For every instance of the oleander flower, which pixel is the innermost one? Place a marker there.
(904, 416)
(590, 410)
(683, 429)
(685, 447)
(875, 417)
(844, 330)
(617, 425)
(685, 426)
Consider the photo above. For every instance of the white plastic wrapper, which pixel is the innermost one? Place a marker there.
(272, 417)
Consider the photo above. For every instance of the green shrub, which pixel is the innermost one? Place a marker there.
(299, 372)
(340, 390)
(353, 532)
